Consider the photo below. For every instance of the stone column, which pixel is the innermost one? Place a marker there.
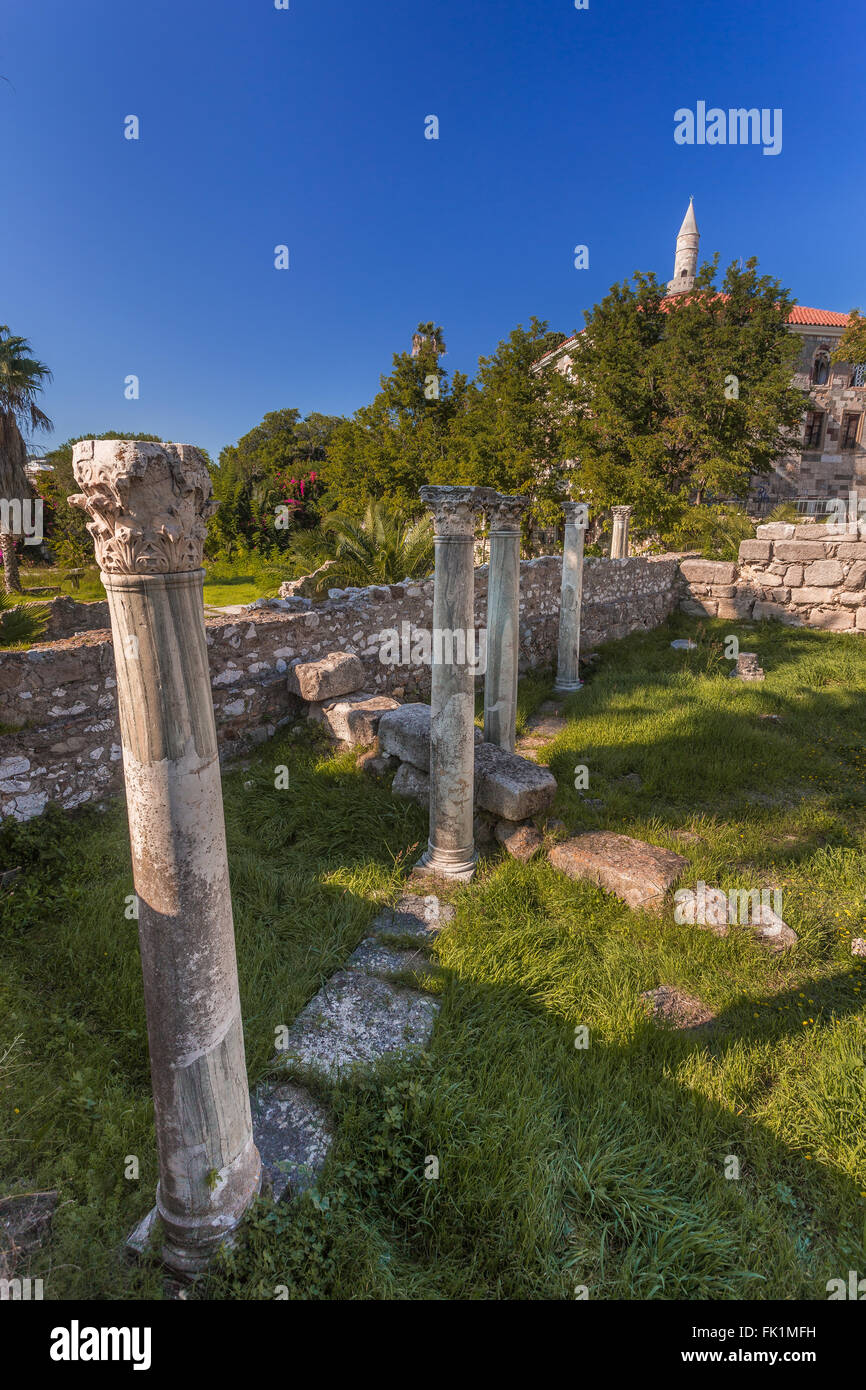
(571, 593)
(503, 621)
(451, 848)
(619, 537)
(148, 505)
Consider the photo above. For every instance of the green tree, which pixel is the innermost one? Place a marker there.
(852, 345)
(509, 433)
(250, 481)
(384, 547)
(22, 379)
(681, 398)
(400, 441)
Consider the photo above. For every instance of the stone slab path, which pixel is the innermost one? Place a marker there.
(358, 1016)
(541, 728)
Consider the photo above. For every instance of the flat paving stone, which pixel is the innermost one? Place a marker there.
(373, 957)
(417, 916)
(509, 786)
(293, 1134)
(638, 873)
(353, 1021)
(675, 1009)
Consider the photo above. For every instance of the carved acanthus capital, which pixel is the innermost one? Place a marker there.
(576, 514)
(624, 512)
(504, 513)
(455, 509)
(148, 504)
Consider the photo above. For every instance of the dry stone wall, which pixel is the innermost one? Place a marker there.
(59, 737)
(806, 575)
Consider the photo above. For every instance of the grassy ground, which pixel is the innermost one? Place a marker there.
(560, 1167)
(224, 584)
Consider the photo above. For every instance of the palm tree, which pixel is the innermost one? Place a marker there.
(22, 378)
(382, 549)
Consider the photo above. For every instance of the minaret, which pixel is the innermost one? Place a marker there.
(686, 259)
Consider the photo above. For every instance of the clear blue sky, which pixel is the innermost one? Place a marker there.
(306, 127)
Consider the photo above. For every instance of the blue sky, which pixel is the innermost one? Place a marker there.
(305, 127)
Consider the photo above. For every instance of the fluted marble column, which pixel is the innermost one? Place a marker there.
(619, 536)
(451, 847)
(503, 621)
(571, 593)
(148, 505)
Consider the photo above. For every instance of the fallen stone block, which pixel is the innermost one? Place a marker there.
(511, 787)
(673, 1008)
(747, 668)
(293, 1133)
(354, 719)
(405, 734)
(337, 673)
(414, 916)
(353, 1021)
(638, 873)
(374, 957)
(24, 1224)
(770, 930)
(521, 841)
(411, 784)
(377, 764)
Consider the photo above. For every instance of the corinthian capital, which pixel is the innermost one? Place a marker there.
(455, 509)
(504, 513)
(148, 504)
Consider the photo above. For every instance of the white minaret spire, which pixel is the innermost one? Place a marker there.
(686, 259)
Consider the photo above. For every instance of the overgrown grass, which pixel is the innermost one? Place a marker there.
(559, 1166)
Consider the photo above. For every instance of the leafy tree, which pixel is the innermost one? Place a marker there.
(20, 622)
(852, 345)
(382, 548)
(254, 477)
(400, 441)
(509, 435)
(22, 379)
(682, 398)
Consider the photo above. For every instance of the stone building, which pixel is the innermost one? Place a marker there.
(828, 459)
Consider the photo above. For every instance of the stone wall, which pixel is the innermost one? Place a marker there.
(808, 575)
(58, 714)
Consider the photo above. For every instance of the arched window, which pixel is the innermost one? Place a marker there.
(821, 367)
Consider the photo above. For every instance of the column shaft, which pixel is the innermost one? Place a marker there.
(571, 594)
(503, 622)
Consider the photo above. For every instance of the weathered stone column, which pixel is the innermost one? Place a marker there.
(148, 505)
(451, 847)
(571, 593)
(619, 536)
(503, 621)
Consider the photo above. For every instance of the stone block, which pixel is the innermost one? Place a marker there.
(851, 550)
(521, 841)
(860, 620)
(754, 550)
(509, 786)
(794, 576)
(353, 1021)
(825, 573)
(832, 619)
(374, 957)
(354, 719)
(337, 673)
(413, 916)
(856, 576)
(800, 550)
(411, 784)
(638, 873)
(405, 733)
(808, 598)
(708, 571)
(293, 1133)
(763, 611)
(673, 1008)
(700, 608)
(735, 608)
(775, 531)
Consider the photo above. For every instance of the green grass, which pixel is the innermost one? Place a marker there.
(559, 1167)
(249, 578)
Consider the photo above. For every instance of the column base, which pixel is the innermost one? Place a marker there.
(566, 687)
(447, 863)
